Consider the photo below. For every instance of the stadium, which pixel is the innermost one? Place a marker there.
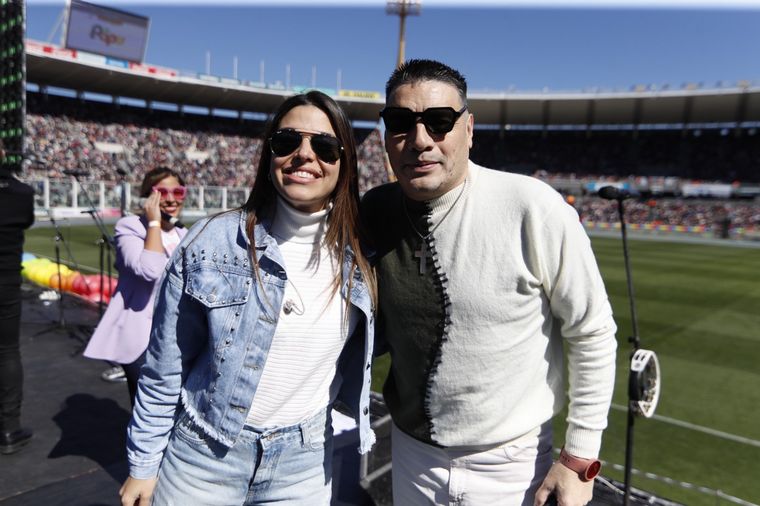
(94, 124)
(696, 149)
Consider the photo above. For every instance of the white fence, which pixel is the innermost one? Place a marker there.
(69, 196)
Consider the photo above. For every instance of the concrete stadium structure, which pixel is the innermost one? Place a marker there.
(736, 105)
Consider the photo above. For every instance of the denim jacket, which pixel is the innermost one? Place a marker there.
(212, 328)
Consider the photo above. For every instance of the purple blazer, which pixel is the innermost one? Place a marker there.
(122, 334)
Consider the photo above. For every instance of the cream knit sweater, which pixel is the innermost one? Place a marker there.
(478, 346)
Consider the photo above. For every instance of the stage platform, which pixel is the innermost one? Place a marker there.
(77, 455)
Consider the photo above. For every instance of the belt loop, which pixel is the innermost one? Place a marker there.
(305, 433)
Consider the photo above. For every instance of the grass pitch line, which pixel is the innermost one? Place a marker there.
(698, 428)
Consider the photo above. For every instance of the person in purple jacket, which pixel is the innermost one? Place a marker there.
(144, 244)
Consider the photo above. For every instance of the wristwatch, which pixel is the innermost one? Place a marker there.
(587, 469)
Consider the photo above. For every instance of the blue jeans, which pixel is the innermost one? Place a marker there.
(288, 466)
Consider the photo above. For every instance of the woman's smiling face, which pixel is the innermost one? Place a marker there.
(303, 179)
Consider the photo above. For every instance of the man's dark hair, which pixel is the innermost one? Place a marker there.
(414, 71)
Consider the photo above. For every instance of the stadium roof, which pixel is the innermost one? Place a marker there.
(49, 65)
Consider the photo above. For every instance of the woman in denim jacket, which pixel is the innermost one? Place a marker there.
(263, 320)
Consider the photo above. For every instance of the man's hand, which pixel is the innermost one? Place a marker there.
(136, 492)
(566, 486)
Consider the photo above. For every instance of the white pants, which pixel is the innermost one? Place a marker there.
(508, 474)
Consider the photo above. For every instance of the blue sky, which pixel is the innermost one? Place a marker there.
(498, 45)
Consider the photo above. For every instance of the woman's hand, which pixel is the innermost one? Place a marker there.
(136, 492)
(152, 208)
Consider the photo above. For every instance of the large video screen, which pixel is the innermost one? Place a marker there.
(106, 31)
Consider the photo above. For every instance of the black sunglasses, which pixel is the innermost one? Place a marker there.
(438, 120)
(326, 147)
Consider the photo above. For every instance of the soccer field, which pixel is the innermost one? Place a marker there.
(699, 309)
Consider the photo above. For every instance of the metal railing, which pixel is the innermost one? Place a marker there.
(70, 194)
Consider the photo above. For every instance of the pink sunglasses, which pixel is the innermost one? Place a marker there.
(179, 192)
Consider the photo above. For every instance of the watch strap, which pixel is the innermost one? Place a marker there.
(587, 469)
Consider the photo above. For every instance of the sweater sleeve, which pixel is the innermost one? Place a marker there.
(579, 303)
(130, 242)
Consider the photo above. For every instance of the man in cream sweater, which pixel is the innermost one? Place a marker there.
(487, 281)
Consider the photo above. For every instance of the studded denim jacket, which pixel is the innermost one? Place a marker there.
(212, 327)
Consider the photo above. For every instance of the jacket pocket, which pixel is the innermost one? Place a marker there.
(215, 287)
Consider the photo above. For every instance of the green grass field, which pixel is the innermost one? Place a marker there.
(699, 309)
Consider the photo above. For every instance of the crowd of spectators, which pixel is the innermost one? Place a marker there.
(689, 213)
(373, 170)
(108, 142)
(709, 153)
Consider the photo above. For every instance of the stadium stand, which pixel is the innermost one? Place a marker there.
(99, 138)
(715, 153)
(106, 139)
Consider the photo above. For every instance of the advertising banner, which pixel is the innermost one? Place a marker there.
(360, 94)
(106, 31)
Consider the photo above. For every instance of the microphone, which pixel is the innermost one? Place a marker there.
(613, 193)
(172, 219)
(76, 173)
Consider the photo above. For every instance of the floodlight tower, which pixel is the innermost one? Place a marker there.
(402, 9)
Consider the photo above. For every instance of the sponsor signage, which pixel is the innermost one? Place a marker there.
(706, 190)
(117, 63)
(359, 94)
(49, 49)
(152, 69)
(106, 31)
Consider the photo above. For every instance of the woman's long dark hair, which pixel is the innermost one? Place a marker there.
(344, 225)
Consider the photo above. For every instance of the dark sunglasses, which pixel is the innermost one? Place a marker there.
(326, 147)
(437, 120)
(179, 192)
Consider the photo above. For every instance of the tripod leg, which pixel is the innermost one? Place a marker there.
(61, 319)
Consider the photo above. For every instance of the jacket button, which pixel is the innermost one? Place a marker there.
(366, 411)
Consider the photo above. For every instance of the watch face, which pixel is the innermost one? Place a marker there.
(593, 470)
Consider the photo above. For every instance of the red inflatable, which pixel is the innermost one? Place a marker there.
(80, 286)
(109, 284)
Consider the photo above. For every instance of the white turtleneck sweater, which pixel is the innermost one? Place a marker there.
(302, 360)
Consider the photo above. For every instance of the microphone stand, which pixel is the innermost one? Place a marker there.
(636, 342)
(122, 191)
(105, 242)
(61, 324)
